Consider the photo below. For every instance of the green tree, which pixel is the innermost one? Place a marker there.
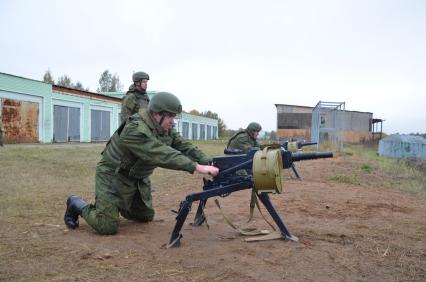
(194, 112)
(48, 78)
(116, 85)
(109, 82)
(65, 81)
(79, 86)
(220, 123)
(230, 132)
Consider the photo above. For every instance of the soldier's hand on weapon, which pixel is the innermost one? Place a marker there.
(207, 169)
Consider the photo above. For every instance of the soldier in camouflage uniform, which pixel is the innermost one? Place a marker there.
(136, 98)
(245, 139)
(145, 141)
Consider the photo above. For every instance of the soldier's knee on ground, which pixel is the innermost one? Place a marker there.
(107, 227)
(145, 217)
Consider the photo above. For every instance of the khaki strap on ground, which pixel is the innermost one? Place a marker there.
(205, 220)
(271, 236)
(255, 202)
(252, 204)
(247, 231)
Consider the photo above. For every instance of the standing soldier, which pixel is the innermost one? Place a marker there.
(245, 139)
(143, 142)
(136, 98)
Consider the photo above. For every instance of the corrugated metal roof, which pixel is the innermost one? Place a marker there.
(405, 138)
(73, 91)
(308, 107)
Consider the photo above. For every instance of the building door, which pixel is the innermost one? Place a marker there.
(100, 125)
(66, 124)
(194, 131)
(202, 132)
(185, 130)
(209, 132)
(20, 121)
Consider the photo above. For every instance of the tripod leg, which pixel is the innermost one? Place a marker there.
(200, 218)
(264, 198)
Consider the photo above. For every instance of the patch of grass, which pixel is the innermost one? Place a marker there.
(360, 151)
(212, 148)
(366, 167)
(342, 178)
(408, 175)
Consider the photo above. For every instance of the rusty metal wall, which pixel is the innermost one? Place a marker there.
(20, 121)
(282, 108)
(294, 120)
(286, 134)
(357, 136)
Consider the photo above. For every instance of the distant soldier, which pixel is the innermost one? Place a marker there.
(245, 139)
(145, 141)
(1, 133)
(136, 98)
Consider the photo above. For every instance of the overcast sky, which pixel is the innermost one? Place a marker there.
(236, 58)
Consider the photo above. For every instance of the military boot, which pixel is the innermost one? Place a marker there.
(74, 209)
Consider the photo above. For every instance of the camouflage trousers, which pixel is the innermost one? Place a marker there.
(117, 194)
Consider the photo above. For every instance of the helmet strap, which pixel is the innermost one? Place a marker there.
(162, 119)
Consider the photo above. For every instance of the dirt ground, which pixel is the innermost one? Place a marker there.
(347, 232)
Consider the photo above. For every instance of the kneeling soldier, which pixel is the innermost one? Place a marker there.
(246, 139)
(146, 141)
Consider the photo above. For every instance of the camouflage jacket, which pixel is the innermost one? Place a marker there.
(141, 144)
(242, 141)
(132, 102)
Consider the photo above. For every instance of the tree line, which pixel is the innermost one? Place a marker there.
(108, 82)
(224, 132)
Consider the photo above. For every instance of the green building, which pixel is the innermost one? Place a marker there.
(33, 111)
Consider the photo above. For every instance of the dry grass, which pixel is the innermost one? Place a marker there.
(362, 164)
(34, 184)
(352, 238)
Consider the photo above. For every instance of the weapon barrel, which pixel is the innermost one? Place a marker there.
(308, 144)
(301, 156)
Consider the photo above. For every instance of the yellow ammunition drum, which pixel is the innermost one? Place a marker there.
(267, 170)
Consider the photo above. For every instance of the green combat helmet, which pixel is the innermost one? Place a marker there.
(253, 126)
(165, 102)
(138, 76)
